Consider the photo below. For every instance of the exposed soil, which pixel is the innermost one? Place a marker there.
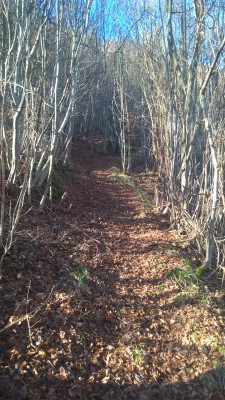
(93, 305)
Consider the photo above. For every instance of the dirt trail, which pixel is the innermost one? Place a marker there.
(104, 321)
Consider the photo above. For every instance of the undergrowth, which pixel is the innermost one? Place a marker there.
(80, 274)
(117, 176)
(192, 289)
(185, 276)
(214, 380)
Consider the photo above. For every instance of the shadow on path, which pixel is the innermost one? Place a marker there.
(98, 317)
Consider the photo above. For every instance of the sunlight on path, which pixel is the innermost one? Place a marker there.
(127, 318)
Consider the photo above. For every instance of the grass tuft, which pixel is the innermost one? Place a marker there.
(121, 177)
(81, 274)
(185, 276)
(214, 380)
(137, 354)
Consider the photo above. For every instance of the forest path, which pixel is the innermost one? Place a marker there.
(109, 316)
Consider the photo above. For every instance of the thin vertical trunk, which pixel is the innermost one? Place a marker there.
(214, 159)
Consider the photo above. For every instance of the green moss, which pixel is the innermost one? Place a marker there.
(143, 195)
(115, 170)
(199, 271)
(116, 176)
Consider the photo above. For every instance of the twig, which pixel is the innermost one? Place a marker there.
(23, 215)
(31, 314)
(27, 315)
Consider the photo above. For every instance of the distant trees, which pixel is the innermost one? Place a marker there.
(166, 76)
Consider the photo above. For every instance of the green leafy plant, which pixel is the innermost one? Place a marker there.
(118, 310)
(221, 350)
(174, 274)
(203, 298)
(137, 354)
(188, 263)
(81, 274)
(152, 265)
(177, 244)
(185, 276)
(171, 250)
(216, 363)
(218, 344)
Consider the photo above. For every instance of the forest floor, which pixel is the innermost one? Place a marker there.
(99, 298)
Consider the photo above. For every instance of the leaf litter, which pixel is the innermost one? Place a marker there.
(99, 301)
